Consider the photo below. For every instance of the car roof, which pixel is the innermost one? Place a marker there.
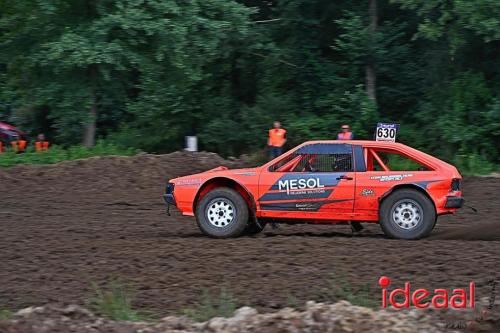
(384, 145)
(422, 156)
(365, 143)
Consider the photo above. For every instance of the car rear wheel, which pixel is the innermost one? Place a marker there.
(407, 214)
(222, 213)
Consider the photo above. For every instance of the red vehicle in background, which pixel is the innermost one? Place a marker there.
(324, 182)
(9, 133)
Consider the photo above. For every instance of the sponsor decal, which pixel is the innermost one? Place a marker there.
(367, 192)
(246, 173)
(391, 177)
(299, 206)
(425, 183)
(300, 184)
(296, 195)
(188, 182)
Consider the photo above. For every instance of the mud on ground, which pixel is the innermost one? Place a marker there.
(66, 226)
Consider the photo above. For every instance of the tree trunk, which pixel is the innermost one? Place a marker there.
(371, 76)
(90, 127)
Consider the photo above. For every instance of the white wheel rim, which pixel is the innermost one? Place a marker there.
(406, 214)
(220, 212)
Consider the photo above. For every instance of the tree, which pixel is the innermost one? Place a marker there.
(146, 73)
(370, 66)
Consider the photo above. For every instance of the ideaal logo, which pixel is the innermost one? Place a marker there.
(299, 184)
(478, 318)
(459, 298)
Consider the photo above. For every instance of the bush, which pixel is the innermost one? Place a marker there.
(474, 164)
(339, 288)
(223, 305)
(5, 315)
(115, 302)
(58, 154)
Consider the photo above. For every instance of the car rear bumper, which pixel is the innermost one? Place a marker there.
(454, 202)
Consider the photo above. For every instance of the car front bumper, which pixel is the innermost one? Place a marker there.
(454, 202)
(169, 199)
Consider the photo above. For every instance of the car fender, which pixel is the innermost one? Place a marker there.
(225, 181)
(419, 186)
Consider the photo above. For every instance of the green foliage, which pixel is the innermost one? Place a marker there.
(157, 71)
(115, 302)
(440, 17)
(341, 289)
(292, 301)
(474, 164)
(58, 154)
(222, 305)
(5, 314)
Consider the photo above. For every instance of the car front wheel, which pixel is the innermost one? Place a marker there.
(407, 214)
(222, 213)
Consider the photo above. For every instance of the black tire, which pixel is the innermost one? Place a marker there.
(407, 214)
(222, 213)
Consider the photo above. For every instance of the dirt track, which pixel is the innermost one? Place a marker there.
(66, 226)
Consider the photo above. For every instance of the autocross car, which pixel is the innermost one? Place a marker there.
(324, 182)
(9, 133)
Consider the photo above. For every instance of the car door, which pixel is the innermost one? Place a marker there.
(314, 181)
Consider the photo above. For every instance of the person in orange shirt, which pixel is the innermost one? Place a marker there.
(276, 140)
(346, 133)
(41, 144)
(19, 145)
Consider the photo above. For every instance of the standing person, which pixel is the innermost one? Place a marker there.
(18, 144)
(276, 140)
(346, 133)
(41, 143)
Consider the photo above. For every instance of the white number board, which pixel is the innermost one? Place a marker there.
(386, 132)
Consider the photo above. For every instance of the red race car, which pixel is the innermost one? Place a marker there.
(9, 133)
(324, 182)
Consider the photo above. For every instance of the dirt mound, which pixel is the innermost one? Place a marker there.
(317, 317)
(64, 227)
(108, 176)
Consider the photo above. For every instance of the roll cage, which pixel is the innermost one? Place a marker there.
(359, 157)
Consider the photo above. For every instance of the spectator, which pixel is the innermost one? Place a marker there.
(346, 133)
(41, 144)
(18, 144)
(276, 140)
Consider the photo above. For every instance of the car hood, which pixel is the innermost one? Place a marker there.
(222, 170)
(232, 171)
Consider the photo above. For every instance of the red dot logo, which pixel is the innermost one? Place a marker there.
(384, 281)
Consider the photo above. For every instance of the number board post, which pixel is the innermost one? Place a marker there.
(386, 132)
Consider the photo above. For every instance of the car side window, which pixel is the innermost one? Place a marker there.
(392, 160)
(332, 163)
(317, 158)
